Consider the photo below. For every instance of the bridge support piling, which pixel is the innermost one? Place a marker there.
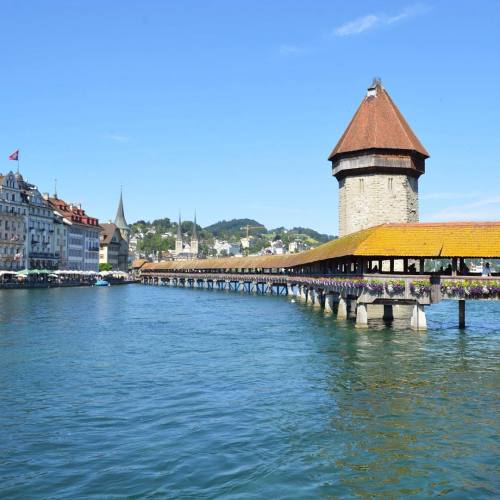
(418, 320)
(342, 310)
(361, 316)
(329, 303)
(461, 314)
(317, 299)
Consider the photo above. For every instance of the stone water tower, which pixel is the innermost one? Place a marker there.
(377, 162)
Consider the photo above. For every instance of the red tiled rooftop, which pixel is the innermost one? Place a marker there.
(378, 124)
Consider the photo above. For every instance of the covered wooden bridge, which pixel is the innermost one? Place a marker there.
(366, 273)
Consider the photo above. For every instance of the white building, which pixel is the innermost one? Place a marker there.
(226, 247)
(277, 247)
(13, 223)
(246, 242)
(296, 246)
(42, 252)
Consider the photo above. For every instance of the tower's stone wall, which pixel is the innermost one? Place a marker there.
(376, 198)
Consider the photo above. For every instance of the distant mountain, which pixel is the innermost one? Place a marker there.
(321, 237)
(235, 227)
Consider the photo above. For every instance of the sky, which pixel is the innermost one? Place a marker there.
(231, 108)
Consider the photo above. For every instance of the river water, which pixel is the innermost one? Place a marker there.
(136, 391)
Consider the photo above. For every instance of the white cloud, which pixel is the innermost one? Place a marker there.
(485, 208)
(372, 21)
(117, 137)
(290, 50)
(358, 25)
(450, 195)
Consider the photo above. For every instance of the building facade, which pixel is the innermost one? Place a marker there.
(41, 250)
(77, 238)
(377, 162)
(113, 248)
(13, 224)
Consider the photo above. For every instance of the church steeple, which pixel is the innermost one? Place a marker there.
(120, 221)
(178, 240)
(194, 239)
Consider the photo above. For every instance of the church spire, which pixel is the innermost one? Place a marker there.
(179, 231)
(194, 240)
(120, 221)
(179, 247)
(194, 234)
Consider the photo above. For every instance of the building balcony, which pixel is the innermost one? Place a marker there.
(43, 255)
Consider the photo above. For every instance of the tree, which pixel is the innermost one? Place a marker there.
(105, 267)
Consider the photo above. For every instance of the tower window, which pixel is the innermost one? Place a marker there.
(389, 183)
(361, 185)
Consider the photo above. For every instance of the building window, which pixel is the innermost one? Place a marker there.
(361, 185)
(389, 183)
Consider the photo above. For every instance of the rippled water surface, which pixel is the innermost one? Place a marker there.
(138, 391)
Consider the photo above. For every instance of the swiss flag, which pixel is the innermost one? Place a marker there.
(14, 155)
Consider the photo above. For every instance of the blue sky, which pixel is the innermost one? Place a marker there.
(232, 107)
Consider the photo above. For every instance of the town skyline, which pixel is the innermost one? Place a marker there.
(175, 115)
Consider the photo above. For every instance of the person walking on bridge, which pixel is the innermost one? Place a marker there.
(487, 269)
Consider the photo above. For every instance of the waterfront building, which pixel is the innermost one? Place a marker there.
(41, 249)
(61, 226)
(78, 236)
(377, 162)
(114, 247)
(13, 223)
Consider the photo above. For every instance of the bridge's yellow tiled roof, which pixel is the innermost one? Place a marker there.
(137, 264)
(431, 240)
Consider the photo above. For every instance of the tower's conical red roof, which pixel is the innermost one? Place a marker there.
(378, 124)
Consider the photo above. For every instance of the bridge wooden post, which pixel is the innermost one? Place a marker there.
(461, 313)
